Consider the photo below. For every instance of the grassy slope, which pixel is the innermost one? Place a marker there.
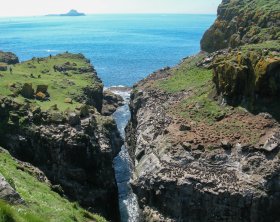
(186, 76)
(42, 204)
(200, 105)
(60, 86)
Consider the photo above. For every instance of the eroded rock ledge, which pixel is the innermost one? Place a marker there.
(197, 158)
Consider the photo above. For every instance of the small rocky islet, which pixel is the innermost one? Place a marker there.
(204, 136)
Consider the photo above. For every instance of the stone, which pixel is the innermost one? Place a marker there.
(184, 127)
(84, 110)
(74, 119)
(111, 102)
(42, 88)
(68, 100)
(8, 193)
(40, 96)
(272, 143)
(27, 91)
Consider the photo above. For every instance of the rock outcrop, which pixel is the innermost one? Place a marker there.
(205, 135)
(111, 102)
(253, 74)
(8, 193)
(8, 58)
(241, 22)
(72, 143)
(197, 160)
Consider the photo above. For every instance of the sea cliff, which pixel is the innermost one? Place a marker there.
(205, 134)
(50, 111)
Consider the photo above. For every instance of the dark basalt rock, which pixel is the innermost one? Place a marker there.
(74, 152)
(8, 57)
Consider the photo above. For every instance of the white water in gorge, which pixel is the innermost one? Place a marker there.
(129, 209)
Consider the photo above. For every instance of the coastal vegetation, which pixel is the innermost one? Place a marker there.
(41, 203)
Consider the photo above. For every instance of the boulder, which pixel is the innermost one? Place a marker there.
(111, 102)
(68, 100)
(41, 96)
(8, 193)
(27, 91)
(42, 88)
(8, 57)
(74, 119)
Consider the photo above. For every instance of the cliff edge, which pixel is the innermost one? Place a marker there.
(50, 111)
(205, 134)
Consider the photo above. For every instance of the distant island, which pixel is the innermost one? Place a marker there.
(70, 13)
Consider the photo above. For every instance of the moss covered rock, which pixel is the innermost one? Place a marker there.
(243, 21)
(245, 73)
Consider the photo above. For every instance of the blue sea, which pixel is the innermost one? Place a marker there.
(123, 48)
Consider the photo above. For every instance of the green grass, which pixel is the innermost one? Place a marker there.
(201, 108)
(60, 85)
(187, 76)
(269, 45)
(42, 204)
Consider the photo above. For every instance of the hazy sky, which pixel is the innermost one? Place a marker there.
(42, 7)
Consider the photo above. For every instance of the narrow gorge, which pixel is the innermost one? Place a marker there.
(197, 142)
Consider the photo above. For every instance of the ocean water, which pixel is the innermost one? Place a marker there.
(123, 48)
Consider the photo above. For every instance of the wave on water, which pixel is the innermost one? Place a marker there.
(128, 204)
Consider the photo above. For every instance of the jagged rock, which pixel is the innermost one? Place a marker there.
(58, 189)
(74, 119)
(111, 102)
(83, 110)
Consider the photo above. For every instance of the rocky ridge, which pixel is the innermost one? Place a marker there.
(64, 135)
(205, 135)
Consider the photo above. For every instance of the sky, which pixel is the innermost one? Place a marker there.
(42, 7)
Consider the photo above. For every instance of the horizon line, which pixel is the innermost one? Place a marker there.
(116, 13)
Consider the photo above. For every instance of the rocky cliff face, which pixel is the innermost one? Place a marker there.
(241, 22)
(197, 159)
(64, 135)
(249, 76)
(8, 58)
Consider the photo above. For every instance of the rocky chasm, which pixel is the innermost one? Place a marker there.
(202, 144)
